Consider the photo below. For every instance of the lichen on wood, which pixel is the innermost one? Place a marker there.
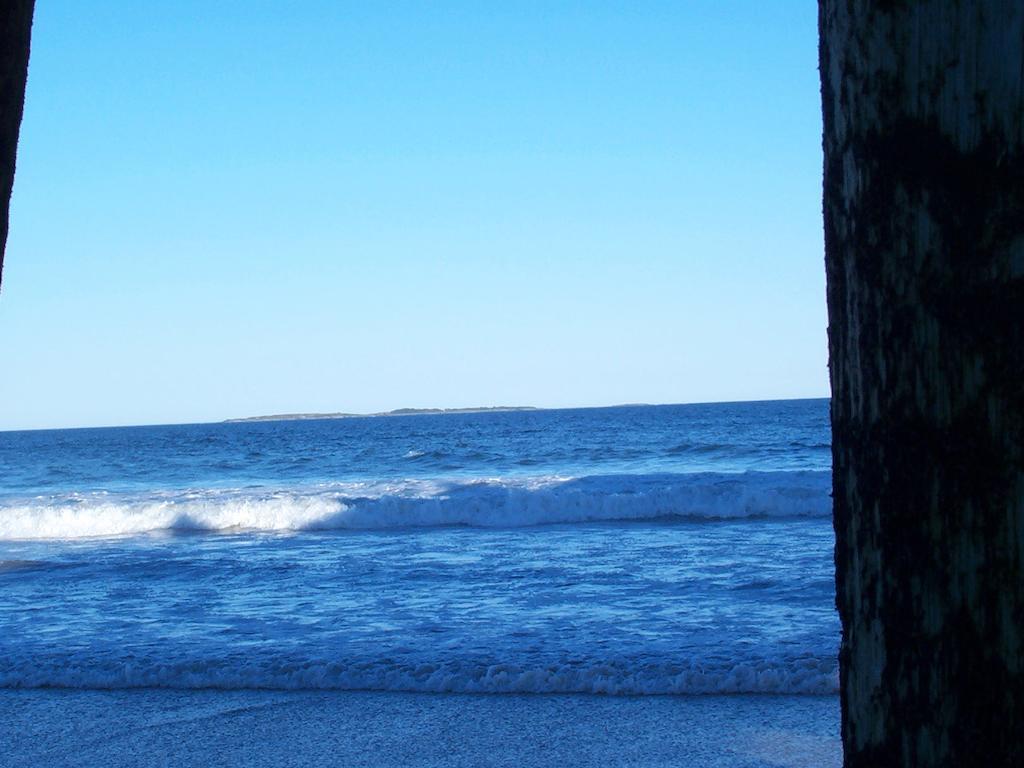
(924, 239)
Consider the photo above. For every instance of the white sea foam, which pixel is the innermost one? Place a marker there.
(494, 502)
(112, 516)
(806, 675)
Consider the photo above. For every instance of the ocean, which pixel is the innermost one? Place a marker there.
(634, 550)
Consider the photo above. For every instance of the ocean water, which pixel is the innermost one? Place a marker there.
(630, 550)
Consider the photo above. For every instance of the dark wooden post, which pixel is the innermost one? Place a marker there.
(15, 34)
(923, 105)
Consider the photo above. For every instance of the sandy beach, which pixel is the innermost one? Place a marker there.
(269, 728)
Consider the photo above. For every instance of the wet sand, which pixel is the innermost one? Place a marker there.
(211, 728)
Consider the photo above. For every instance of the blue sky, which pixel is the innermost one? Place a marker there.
(232, 208)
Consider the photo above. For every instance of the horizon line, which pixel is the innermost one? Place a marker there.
(398, 412)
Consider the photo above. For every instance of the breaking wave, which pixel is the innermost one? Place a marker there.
(493, 502)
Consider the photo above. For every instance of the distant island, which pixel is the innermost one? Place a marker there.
(396, 412)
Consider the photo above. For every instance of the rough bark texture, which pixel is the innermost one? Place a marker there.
(15, 33)
(924, 243)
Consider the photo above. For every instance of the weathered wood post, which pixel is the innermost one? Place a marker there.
(15, 33)
(923, 105)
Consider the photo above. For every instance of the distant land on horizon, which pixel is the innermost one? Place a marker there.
(483, 409)
(396, 412)
(404, 412)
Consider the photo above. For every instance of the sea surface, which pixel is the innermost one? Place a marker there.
(631, 550)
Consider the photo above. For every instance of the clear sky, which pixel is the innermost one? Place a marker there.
(239, 207)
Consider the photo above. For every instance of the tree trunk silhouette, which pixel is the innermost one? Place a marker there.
(15, 33)
(924, 251)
